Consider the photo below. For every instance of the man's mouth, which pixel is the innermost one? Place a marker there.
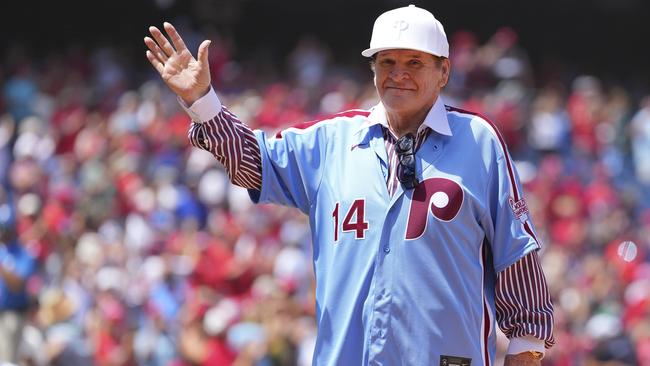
(398, 88)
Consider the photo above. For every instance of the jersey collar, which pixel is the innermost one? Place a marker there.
(436, 119)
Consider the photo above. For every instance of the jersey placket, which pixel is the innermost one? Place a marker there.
(384, 269)
(382, 296)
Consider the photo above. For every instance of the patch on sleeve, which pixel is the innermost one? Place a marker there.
(519, 208)
(454, 361)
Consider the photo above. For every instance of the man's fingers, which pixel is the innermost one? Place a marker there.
(175, 37)
(203, 52)
(162, 41)
(155, 62)
(155, 50)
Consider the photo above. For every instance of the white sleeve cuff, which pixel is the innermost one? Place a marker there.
(204, 108)
(525, 344)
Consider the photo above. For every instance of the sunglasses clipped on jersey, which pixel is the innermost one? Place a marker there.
(405, 150)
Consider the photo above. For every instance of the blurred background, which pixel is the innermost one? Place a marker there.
(121, 245)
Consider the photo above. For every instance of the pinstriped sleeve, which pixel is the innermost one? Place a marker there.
(523, 303)
(234, 145)
(217, 130)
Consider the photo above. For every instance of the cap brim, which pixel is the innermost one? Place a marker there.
(371, 51)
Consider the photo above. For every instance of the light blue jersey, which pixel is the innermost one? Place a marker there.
(407, 279)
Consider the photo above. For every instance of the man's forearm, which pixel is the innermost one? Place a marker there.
(232, 142)
(523, 304)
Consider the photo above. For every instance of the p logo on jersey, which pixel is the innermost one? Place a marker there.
(441, 197)
(519, 209)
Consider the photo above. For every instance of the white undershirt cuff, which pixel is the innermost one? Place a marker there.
(204, 108)
(525, 344)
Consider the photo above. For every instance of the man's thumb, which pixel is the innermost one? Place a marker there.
(203, 51)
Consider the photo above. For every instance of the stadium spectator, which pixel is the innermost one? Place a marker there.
(17, 265)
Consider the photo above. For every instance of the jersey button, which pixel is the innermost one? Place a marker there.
(386, 249)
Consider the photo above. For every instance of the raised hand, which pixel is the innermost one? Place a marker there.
(186, 76)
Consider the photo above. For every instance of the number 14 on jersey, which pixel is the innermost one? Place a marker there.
(354, 220)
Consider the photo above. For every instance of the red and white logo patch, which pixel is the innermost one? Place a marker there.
(519, 208)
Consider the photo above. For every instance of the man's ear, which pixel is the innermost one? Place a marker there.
(446, 71)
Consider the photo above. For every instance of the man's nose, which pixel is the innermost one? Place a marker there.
(398, 74)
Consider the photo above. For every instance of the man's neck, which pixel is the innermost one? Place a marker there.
(402, 123)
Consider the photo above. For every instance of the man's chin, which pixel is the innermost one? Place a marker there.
(396, 102)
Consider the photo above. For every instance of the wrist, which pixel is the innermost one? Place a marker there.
(535, 355)
(527, 358)
(189, 99)
(204, 108)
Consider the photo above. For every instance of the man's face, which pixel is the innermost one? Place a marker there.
(408, 81)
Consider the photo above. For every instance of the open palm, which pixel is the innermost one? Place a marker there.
(186, 76)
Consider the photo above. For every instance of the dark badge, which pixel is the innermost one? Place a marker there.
(454, 361)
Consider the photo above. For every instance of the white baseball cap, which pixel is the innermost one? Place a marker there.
(410, 28)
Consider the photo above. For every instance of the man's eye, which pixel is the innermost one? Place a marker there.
(415, 62)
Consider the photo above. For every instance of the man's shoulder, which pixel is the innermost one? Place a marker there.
(460, 115)
(477, 123)
(478, 129)
(345, 119)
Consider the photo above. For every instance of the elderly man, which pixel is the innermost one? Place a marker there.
(421, 237)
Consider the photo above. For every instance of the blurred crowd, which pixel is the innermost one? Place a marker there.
(122, 245)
